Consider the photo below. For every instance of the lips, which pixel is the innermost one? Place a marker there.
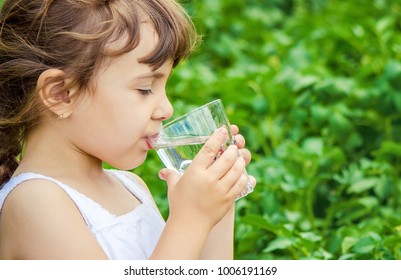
(149, 143)
(151, 139)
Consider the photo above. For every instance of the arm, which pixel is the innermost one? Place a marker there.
(177, 237)
(219, 244)
(181, 240)
(199, 199)
(39, 221)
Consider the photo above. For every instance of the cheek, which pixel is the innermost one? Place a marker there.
(126, 151)
(119, 140)
(112, 130)
(104, 119)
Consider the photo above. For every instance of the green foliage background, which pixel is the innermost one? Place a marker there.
(315, 87)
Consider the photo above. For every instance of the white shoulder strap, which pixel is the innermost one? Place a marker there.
(79, 199)
(133, 186)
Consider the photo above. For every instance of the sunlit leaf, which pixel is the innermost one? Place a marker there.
(364, 245)
(363, 185)
(278, 244)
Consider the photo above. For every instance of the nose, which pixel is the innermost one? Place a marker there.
(164, 109)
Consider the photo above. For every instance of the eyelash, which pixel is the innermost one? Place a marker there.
(145, 91)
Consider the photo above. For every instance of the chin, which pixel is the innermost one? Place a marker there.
(130, 163)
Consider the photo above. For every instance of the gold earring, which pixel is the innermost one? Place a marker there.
(60, 117)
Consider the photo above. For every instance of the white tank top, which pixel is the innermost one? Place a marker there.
(132, 236)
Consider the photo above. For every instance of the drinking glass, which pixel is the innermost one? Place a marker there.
(181, 139)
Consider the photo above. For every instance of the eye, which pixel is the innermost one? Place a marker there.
(145, 91)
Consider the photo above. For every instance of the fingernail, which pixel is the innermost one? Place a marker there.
(162, 175)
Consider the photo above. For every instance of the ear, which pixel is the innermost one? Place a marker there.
(53, 93)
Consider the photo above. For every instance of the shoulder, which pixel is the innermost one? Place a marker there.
(33, 196)
(40, 221)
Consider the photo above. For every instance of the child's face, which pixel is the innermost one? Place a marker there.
(129, 104)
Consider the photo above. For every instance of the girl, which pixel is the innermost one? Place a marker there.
(82, 82)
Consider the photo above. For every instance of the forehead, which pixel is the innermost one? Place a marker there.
(147, 42)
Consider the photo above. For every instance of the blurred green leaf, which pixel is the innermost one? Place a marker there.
(363, 185)
(364, 245)
(278, 244)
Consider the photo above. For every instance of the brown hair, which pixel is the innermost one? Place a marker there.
(72, 35)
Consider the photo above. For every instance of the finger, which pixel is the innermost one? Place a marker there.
(239, 188)
(233, 174)
(211, 148)
(246, 155)
(253, 180)
(225, 162)
(170, 176)
(234, 129)
(240, 141)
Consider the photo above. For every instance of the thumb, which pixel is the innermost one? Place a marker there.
(170, 176)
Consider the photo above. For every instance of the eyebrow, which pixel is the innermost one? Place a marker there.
(152, 75)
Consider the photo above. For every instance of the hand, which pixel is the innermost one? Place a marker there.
(245, 153)
(209, 187)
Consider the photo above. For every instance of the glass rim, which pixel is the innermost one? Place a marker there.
(216, 101)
